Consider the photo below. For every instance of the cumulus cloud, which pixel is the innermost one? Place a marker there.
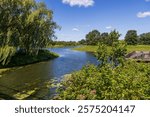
(108, 27)
(75, 29)
(143, 14)
(85, 3)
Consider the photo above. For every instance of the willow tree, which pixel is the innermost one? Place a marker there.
(41, 27)
(25, 25)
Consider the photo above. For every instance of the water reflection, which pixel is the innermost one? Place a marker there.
(37, 75)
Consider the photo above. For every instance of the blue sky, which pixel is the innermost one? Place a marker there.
(78, 17)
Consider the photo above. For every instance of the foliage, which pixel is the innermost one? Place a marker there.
(6, 53)
(114, 55)
(128, 82)
(115, 78)
(131, 37)
(82, 42)
(144, 38)
(26, 25)
(62, 43)
(104, 38)
(113, 37)
(118, 52)
(92, 37)
(20, 58)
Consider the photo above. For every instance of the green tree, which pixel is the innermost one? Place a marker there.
(144, 38)
(26, 25)
(113, 37)
(113, 55)
(131, 37)
(92, 38)
(82, 42)
(104, 38)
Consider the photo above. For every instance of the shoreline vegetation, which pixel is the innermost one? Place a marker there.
(115, 78)
(26, 27)
(130, 48)
(19, 60)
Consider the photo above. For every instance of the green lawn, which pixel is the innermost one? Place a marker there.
(86, 48)
(129, 48)
(138, 48)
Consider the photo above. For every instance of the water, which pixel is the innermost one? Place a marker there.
(37, 77)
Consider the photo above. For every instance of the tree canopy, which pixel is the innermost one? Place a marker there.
(92, 37)
(144, 38)
(131, 37)
(26, 25)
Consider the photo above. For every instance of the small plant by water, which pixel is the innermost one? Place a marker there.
(128, 80)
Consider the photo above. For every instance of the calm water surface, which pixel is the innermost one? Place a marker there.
(38, 76)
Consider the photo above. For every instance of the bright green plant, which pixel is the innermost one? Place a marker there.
(113, 79)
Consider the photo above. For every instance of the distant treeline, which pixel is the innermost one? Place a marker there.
(131, 38)
(64, 43)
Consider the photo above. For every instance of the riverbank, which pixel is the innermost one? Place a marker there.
(3, 71)
(89, 48)
(26, 79)
(20, 59)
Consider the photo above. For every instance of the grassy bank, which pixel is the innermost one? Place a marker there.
(20, 59)
(4, 70)
(138, 48)
(87, 48)
(129, 48)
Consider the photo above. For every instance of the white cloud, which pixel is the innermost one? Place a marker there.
(75, 29)
(108, 27)
(143, 14)
(85, 3)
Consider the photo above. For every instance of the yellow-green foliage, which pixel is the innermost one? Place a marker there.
(128, 82)
(6, 53)
(113, 79)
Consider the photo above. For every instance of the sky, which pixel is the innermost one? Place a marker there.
(78, 17)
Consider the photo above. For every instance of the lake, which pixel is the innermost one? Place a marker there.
(37, 78)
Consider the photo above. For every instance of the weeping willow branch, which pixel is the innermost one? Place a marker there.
(6, 53)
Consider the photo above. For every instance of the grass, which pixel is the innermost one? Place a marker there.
(138, 48)
(87, 48)
(129, 48)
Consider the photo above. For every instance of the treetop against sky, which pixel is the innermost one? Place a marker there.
(78, 17)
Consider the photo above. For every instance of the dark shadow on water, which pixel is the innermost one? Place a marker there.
(38, 75)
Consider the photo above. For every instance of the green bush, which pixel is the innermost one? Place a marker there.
(128, 82)
(114, 79)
